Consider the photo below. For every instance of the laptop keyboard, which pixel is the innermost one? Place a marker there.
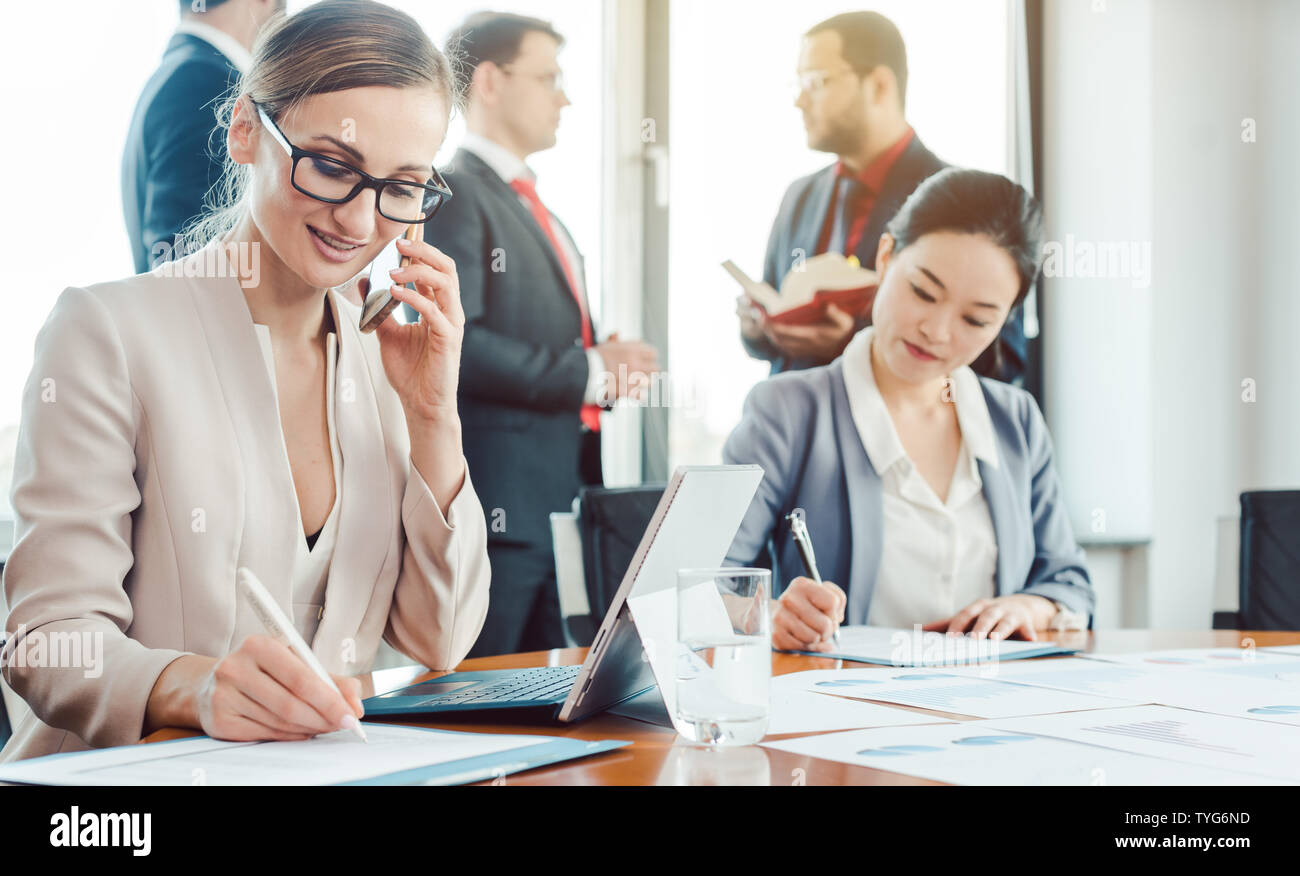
(543, 684)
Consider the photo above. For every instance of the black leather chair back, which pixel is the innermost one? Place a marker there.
(612, 523)
(1270, 560)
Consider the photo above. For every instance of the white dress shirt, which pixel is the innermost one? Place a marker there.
(311, 566)
(219, 40)
(936, 557)
(510, 167)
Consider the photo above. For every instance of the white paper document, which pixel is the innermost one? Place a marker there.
(1257, 747)
(1237, 690)
(1239, 662)
(943, 691)
(325, 760)
(1067, 673)
(794, 709)
(977, 753)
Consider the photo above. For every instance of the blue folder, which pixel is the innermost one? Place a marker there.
(548, 750)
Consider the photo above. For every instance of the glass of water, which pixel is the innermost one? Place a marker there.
(724, 655)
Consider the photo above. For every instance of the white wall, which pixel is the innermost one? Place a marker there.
(1207, 296)
(1271, 439)
(1098, 187)
(1145, 107)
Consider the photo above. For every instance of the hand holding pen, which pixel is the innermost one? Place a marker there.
(810, 611)
(307, 669)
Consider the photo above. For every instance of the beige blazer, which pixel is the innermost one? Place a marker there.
(151, 465)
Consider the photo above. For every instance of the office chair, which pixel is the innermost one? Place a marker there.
(612, 522)
(1227, 573)
(576, 620)
(1269, 578)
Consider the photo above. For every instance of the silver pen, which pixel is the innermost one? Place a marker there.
(804, 543)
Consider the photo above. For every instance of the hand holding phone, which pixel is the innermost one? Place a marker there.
(380, 303)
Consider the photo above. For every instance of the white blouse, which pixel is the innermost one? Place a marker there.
(936, 557)
(311, 567)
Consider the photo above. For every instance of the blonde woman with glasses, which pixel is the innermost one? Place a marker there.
(225, 411)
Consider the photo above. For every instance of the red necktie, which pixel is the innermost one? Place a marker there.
(856, 201)
(525, 188)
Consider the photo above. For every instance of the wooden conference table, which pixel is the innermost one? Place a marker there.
(658, 757)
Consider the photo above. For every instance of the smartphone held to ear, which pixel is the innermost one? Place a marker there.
(380, 303)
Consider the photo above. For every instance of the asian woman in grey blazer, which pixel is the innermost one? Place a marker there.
(225, 410)
(929, 493)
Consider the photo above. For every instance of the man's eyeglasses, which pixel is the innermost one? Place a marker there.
(813, 81)
(552, 81)
(336, 182)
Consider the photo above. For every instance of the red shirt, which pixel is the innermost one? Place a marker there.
(872, 178)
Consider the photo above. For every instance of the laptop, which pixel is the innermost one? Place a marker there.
(692, 528)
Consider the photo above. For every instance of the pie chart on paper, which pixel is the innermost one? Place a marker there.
(896, 750)
(1275, 710)
(990, 740)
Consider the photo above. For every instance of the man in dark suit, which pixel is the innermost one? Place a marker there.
(172, 159)
(531, 374)
(852, 88)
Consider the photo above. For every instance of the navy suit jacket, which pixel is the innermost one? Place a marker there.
(798, 228)
(799, 428)
(523, 369)
(173, 156)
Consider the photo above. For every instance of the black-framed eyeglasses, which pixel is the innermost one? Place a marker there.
(337, 182)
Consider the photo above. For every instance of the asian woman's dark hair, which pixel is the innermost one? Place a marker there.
(977, 202)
